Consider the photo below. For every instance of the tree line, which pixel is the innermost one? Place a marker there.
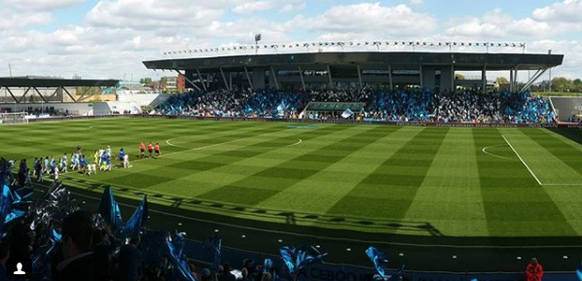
(559, 84)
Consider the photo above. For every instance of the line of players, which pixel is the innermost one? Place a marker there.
(151, 149)
(101, 158)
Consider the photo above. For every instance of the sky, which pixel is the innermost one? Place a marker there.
(110, 38)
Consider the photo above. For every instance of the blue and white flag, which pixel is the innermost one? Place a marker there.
(378, 259)
(109, 210)
(282, 107)
(347, 113)
(297, 258)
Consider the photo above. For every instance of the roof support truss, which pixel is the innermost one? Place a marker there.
(71, 96)
(189, 81)
(11, 94)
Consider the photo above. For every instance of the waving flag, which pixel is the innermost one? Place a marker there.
(380, 260)
(213, 244)
(137, 220)
(109, 210)
(282, 107)
(5, 208)
(347, 113)
(297, 258)
(178, 260)
(267, 265)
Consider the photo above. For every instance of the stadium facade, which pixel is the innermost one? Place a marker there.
(344, 70)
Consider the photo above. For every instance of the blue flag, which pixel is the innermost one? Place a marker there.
(137, 220)
(109, 210)
(214, 245)
(177, 258)
(5, 208)
(347, 113)
(267, 265)
(296, 258)
(378, 259)
(579, 272)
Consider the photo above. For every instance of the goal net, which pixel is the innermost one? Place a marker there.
(13, 118)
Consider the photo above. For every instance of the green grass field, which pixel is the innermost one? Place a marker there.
(401, 180)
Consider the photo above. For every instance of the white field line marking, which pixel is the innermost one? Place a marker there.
(557, 184)
(170, 144)
(212, 145)
(297, 143)
(494, 155)
(523, 162)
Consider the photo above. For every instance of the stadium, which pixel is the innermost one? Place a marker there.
(451, 179)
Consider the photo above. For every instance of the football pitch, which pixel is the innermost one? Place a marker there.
(468, 182)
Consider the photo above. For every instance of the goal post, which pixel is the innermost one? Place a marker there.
(13, 118)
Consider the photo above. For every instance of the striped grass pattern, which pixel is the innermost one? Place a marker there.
(373, 178)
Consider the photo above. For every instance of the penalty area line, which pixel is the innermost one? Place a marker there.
(523, 162)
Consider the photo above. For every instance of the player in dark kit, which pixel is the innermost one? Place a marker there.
(142, 150)
(157, 149)
(150, 149)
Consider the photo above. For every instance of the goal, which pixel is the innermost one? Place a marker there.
(13, 118)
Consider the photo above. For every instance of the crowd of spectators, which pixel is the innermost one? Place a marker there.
(416, 105)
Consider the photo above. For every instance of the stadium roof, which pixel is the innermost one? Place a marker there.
(461, 61)
(54, 82)
(32, 83)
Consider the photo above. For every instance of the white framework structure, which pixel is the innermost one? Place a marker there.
(351, 46)
(13, 118)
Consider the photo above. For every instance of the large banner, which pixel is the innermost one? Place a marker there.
(334, 272)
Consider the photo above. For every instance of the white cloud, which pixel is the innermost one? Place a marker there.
(372, 18)
(495, 26)
(12, 20)
(567, 11)
(293, 6)
(572, 50)
(152, 14)
(43, 5)
(251, 7)
(117, 35)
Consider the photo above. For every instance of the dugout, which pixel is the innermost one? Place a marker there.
(333, 109)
